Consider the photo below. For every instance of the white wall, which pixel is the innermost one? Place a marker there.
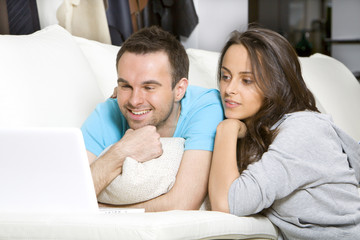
(346, 25)
(217, 19)
(47, 11)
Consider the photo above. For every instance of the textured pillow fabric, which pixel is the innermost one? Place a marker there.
(143, 181)
(45, 80)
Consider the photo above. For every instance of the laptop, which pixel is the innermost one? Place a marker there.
(46, 170)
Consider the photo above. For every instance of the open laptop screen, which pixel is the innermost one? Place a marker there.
(45, 170)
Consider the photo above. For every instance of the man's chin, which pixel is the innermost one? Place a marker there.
(135, 126)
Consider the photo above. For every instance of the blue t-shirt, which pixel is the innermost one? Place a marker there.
(201, 112)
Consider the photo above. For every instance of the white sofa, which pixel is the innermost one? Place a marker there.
(51, 78)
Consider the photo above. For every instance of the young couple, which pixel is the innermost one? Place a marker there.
(274, 153)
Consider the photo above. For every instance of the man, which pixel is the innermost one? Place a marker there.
(153, 101)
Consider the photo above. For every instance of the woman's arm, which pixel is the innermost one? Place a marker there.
(224, 168)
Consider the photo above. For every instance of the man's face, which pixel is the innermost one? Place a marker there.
(145, 95)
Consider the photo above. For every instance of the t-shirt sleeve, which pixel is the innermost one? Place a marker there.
(199, 126)
(92, 133)
(103, 127)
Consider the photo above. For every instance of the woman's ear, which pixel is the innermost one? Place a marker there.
(180, 89)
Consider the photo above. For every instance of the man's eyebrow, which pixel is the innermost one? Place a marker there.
(147, 82)
(151, 82)
(121, 80)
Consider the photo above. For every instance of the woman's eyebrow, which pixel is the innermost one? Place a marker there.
(242, 72)
(226, 69)
(246, 73)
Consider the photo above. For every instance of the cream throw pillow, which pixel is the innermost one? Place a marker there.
(143, 181)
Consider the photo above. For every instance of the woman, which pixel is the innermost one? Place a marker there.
(275, 153)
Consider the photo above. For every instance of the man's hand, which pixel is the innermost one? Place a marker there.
(142, 144)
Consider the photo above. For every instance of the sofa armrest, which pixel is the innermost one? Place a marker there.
(336, 89)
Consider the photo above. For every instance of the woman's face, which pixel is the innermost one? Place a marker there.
(241, 97)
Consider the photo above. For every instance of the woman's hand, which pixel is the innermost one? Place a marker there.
(233, 125)
(224, 168)
(242, 130)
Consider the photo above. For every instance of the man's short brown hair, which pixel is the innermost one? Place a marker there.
(154, 39)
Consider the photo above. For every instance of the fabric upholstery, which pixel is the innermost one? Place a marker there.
(143, 181)
(48, 82)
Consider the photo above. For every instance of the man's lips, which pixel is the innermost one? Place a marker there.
(139, 112)
(138, 115)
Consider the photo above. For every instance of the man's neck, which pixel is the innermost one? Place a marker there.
(168, 128)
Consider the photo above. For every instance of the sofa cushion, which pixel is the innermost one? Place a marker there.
(102, 59)
(175, 225)
(203, 67)
(45, 80)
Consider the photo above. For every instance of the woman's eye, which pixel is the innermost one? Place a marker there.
(247, 81)
(225, 77)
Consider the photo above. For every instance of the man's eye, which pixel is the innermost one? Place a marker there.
(149, 88)
(124, 86)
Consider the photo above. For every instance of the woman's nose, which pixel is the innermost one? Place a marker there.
(232, 87)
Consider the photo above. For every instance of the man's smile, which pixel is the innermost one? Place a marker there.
(139, 112)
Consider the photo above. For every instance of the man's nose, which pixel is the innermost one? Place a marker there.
(136, 98)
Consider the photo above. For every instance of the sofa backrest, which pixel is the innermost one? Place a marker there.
(50, 78)
(45, 80)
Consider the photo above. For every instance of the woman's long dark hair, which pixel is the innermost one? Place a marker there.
(278, 75)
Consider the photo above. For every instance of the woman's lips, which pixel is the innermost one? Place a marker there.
(231, 103)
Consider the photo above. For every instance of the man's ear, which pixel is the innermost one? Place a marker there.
(180, 89)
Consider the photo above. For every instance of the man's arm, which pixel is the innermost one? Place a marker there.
(104, 170)
(190, 187)
(142, 144)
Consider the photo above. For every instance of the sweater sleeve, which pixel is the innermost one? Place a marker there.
(352, 149)
(305, 150)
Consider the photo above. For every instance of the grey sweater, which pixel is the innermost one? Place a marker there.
(306, 183)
